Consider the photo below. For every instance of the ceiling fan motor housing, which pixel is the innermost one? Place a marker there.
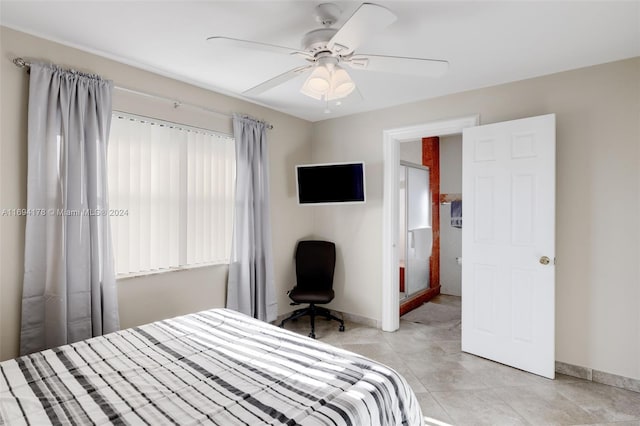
(316, 41)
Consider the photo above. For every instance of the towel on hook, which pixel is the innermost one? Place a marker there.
(456, 214)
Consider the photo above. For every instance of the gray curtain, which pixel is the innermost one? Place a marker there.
(69, 291)
(250, 289)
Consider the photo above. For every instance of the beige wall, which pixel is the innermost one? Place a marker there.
(411, 152)
(450, 237)
(598, 166)
(157, 296)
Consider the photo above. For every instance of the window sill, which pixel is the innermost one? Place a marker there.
(163, 271)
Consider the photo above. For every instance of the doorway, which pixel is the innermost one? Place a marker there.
(392, 139)
(441, 161)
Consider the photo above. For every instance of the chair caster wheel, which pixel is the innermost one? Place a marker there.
(341, 328)
(312, 335)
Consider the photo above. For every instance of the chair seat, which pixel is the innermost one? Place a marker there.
(306, 295)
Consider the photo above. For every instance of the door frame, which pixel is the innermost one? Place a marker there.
(391, 140)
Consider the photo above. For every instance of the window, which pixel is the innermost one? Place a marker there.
(171, 194)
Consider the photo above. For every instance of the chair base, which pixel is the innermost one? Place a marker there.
(313, 311)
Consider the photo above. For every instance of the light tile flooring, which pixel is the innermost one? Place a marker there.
(455, 388)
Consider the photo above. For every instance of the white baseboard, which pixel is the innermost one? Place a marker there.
(598, 376)
(370, 322)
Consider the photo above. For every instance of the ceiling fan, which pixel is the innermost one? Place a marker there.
(326, 50)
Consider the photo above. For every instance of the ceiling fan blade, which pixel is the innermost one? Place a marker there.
(276, 81)
(399, 65)
(366, 21)
(262, 46)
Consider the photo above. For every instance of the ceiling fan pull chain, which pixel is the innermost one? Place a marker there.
(326, 109)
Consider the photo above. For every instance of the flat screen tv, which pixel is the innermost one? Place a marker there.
(332, 183)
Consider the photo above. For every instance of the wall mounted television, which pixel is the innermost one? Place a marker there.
(331, 183)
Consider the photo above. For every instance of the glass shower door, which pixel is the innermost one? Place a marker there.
(419, 236)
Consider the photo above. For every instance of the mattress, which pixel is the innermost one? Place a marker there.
(213, 367)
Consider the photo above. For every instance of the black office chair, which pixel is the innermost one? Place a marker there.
(315, 263)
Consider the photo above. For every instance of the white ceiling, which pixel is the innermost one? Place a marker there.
(486, 43)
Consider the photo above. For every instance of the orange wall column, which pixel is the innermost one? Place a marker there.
(431, 159)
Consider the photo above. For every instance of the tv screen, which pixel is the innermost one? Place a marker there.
(331, 183)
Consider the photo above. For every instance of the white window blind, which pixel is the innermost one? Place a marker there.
(175, 185)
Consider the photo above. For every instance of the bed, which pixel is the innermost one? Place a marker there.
(213, 367)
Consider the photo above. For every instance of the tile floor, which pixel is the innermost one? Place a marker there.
(455, 388)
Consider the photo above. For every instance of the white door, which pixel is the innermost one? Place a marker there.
(508, 243)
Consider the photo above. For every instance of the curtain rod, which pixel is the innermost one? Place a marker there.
(21, 63)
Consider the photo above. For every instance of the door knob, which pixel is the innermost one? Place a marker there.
(545, 260)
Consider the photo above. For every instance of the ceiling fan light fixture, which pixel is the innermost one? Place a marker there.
(328, 82)
(341, 84)
(318, 83)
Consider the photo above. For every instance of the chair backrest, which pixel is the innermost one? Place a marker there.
(315, 264)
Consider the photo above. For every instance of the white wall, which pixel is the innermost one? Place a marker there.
(450, 237)
(598, 166)
(411, 152)
(153, 297)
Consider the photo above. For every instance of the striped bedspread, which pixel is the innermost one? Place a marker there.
(213, 367)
